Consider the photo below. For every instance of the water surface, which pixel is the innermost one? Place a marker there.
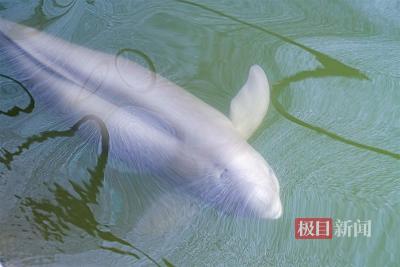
(332, 135)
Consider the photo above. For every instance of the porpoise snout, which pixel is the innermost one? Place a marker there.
(265, 204)
(276, 211)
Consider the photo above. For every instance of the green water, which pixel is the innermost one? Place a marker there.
(332, 135)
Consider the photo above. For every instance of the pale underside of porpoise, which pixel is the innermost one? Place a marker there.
(155, 126)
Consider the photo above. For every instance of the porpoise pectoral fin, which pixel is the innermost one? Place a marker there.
(250, 105)
(168, 212)
(167, 219)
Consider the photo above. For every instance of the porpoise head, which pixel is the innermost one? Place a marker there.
(238, 182)
(253, 185)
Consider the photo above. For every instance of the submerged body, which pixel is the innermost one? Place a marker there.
(155, 126)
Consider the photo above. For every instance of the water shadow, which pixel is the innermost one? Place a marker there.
(318, 73)
(40, 20)
(54, 219)
(15, 110)
(150, 65)
(330, 68)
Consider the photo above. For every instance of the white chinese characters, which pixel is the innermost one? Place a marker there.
(327, 228)
(348, 228)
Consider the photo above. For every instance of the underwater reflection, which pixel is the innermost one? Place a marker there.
(15, 110)
(41, 19)
(55, 219)
(137, 56)
(331, 68)
(320, 73)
